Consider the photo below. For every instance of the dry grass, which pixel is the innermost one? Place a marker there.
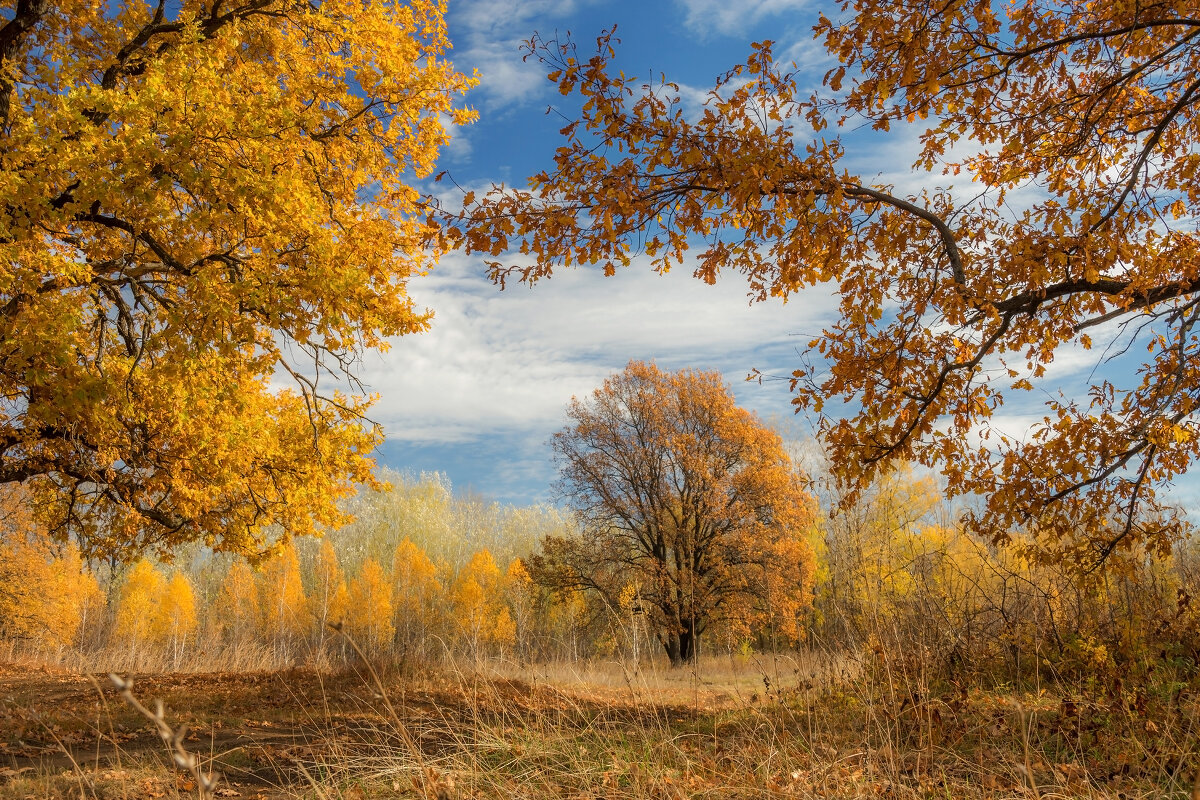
(803, 726)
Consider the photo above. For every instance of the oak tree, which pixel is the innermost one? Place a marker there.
(684, 493)
(953, 300)
(206, 214)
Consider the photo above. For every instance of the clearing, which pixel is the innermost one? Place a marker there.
(607, 733)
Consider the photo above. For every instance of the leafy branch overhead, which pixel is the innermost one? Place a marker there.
(202, 203)
(1075, 126)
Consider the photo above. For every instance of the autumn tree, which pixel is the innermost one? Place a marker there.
(236, 610)
(329, 598)
(139, 617)
(953, 300)
(521, 604)
(477, 603)
(416, 596)
(685, 494)
(201, 203)
(46, 594)
(283, 612)
(447, 525)
(177, 614)
(369, 613)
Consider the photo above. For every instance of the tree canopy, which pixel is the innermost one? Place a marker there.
(207, 213)
(1069, 132)
(687, 501)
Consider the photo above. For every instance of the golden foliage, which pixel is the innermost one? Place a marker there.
(283, 611)
(416, 594)
(178, 607)
(369, 616)
(197, 199)
(139, 617)
(177, 614)
(951, 302)
(329, 599)
(477, 602)
(46, 594)
(236, 608)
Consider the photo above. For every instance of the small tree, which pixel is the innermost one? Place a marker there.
(237, 608)
(329, 599)
(47, 596)
(416, 594)
(520, 593)
(139, 616)
(177, 610)
(369, 616)
(284, 607)
(477, 603)
(694, 498)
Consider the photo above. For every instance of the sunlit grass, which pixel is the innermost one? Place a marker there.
(799, 725)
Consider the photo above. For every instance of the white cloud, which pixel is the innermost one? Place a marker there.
(504, 79)
(508, 362)
(488, 37)
(458, 149)
(707, 18)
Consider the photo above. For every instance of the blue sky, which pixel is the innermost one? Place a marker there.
(479, 395)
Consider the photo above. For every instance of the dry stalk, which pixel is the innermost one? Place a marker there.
(1027, 767)
(381, 691)
(206, 782)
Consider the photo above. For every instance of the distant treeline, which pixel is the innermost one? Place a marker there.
(424, 575)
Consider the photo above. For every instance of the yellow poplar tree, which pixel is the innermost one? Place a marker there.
(369, 618)
(565, 619)
(177, 610)
(81, 603)
(476, 600)
(520, 595)
(46, 594)
(872, 545)
(199, 202)
(237, 609)
(284, 608)
(328, 601)
(415, 596)
(140, 616)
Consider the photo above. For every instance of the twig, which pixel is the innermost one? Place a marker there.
(206, 782)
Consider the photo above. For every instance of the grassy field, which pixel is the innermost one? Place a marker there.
(803, 726)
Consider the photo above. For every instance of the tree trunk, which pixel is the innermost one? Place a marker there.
(671, 645)
(681, 645)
